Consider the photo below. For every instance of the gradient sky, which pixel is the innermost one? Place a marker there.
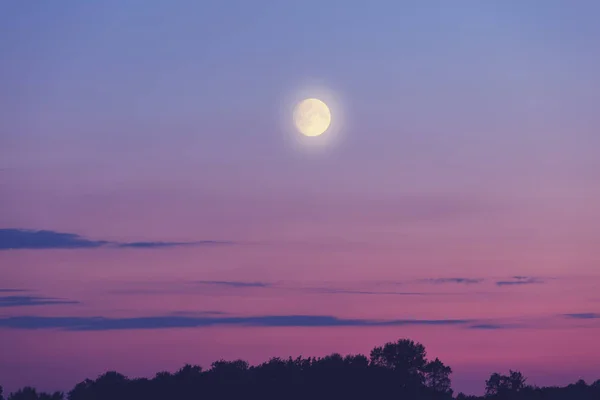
(459, 204)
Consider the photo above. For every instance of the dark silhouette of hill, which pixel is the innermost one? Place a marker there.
(397, 370)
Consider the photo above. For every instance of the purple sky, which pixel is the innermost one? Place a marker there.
(458, 205)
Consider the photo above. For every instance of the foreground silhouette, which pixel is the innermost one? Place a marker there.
(398, 370)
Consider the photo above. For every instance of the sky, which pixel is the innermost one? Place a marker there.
(158, 208)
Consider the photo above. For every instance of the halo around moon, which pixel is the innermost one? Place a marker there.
(312, 117)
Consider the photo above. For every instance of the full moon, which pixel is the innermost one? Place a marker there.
(312, 117)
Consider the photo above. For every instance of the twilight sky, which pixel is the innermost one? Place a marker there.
(459, 204)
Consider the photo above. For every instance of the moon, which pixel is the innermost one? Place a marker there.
(312, 117)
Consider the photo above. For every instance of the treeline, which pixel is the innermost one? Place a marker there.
(397, 370)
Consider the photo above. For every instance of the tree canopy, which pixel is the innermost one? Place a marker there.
(396, 370)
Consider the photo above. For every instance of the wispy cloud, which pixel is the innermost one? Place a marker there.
(212, 287)
(21, 301)
(148, 245)
(227, 287)
(453, 280)
(495, 326)
(520, 280)
(487, 326)
(11, 290)
(369, 292)
(28, 239)
(45, 239)
(196, 313)
(164, 322)
(583, 315)
(236, 284)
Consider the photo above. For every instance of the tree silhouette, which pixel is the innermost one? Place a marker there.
(82, 390)
(404, 355)
(229, 372)
(27, 393)
(188, 373)
(437, 377)
(406, 360)
(53, 396)
(396, 370)
(503, 385)
(516, 381)
(462, 396)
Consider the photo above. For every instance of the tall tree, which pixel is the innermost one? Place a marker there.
(502, 384)
(437, 376)
(495, 385)
(404, 355)
(516, 381)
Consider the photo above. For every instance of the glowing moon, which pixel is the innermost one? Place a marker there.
(312, 117)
